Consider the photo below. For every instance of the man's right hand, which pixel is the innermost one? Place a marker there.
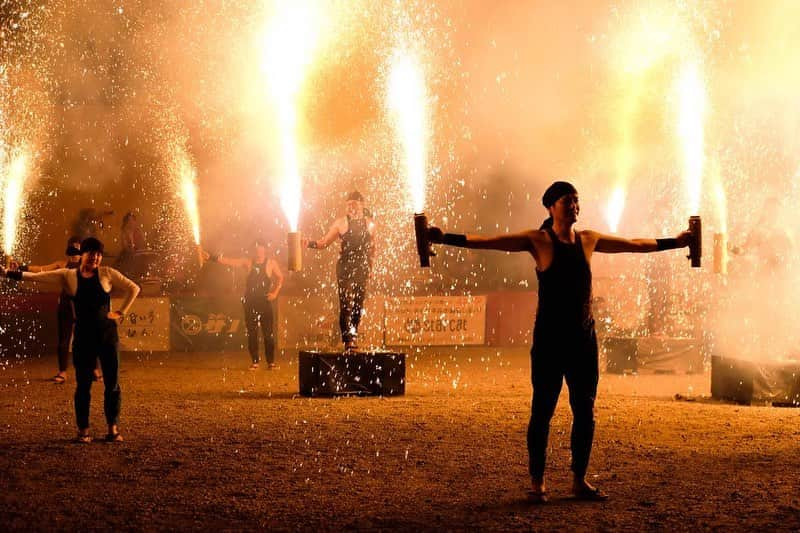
(3, 271)
(435, 235)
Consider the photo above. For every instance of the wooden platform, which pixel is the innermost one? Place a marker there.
(357, 373)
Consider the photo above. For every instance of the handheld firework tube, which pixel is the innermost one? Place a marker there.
(200, 255)
(423, 243)
(696, 246)
(295, 252)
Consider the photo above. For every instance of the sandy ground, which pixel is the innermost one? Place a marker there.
(210, 444)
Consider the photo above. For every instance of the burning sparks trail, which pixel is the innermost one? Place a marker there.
(692, 107)
(407, 100)
(13, 188)
(290, 45)
(188, 192)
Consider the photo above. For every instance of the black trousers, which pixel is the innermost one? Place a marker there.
(65, 321)
(572, 357)
(352, 283)
(98, 341)
(258, 313)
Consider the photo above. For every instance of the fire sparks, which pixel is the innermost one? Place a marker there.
(408, 105)
(615, 206)
(289, 49)
(187, 176)
(692, 107)
(13, 189)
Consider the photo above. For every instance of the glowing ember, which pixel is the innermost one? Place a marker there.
(692, 95)
(289, 49)
(408, 104)
(188, 192)
(12, 198)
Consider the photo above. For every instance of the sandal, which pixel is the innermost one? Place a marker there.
(114, 437)
(83, 439)
(59, 379)
(254, 366)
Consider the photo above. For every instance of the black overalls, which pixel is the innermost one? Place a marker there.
(564, 346)
(352, 273)
(258, 310)
(95, 338)
(65, 321)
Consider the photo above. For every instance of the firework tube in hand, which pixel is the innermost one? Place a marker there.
(696, 244)
(421, 232)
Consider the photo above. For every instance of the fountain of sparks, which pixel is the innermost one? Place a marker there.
(691, 114)
(187, 182)
(407, 102)
(289, 49)
(13, 187)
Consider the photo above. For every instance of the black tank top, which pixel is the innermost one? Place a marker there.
(356, 242)
(92, 303)
(258, 283)
(565, 290)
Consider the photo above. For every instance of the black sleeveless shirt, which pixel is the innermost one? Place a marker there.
(356, 242)
(92, 304)
(565, 290)
(258, 283)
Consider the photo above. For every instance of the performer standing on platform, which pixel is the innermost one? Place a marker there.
(357, 232)
(90, 287)
(264, 282)
(564, 340)
(66, 314)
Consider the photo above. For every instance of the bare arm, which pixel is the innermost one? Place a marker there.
(118, 280)
(277, 276)
(333, 234)
(511, 242)
(243, 262)
(56, 279)
(610, 244)
(55, 265)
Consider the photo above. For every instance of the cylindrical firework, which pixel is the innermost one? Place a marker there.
(295, 252)
(720, 253)
(423, 244)
(696, 246)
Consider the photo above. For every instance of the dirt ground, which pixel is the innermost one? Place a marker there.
(211, 445)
